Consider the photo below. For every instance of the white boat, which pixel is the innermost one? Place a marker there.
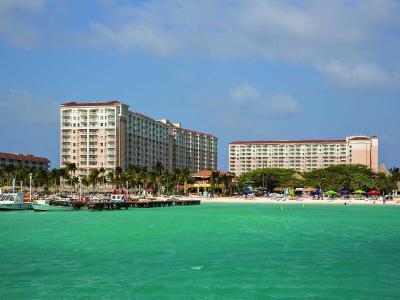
(52, 205)
(117, 198)
(14, 201)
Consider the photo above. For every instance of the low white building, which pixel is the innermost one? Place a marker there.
(303, 155)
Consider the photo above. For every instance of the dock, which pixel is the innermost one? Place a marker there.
(108, 205)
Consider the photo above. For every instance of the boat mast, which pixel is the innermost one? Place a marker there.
(30, 187)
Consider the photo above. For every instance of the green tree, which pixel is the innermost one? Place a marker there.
(270, 178)
(395, 175)
(102, 172)
(93, 176)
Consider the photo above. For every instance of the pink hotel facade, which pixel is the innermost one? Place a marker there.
(107, 135)
(303, 155)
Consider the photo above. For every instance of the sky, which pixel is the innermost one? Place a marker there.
(238, 69)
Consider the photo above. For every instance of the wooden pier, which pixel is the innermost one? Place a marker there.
(107, 205)
(138, 204)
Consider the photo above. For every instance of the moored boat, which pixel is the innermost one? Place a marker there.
(14, 201)
(118, 198)
(52, 205)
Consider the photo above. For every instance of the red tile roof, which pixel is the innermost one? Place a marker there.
(24, 157)
(73, 103)
(360, 138)
(289, 142)
(208, 173)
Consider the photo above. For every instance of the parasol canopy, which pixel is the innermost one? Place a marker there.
(359, 192)
(331, 193)
(345, 192)
(316, 193)
(309, 189)
(374, 192)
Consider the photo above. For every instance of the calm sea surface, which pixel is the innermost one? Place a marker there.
(212, 251)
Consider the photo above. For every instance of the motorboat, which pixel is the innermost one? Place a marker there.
(53, 205)
(117, 198)
(14, 201)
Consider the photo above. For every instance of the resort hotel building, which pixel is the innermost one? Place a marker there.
(303, 155)
(26, 160)
(108, 135)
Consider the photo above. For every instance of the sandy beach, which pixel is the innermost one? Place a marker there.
(336, 201)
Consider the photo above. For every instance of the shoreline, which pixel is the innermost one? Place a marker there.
(260, 200)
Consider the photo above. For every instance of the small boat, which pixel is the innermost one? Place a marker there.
(53, 205)
(117, 198)
(14, 201)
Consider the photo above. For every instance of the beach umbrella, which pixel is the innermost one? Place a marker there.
(345, 192)
(316, 193)
(374, 192)
(309, 189)
(359, 192)
(330, 193)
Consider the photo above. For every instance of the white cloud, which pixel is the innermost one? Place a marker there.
(20, 107)
(243, 94)
(282, 104)
(137, 37)
(15, 23)
(246, 97)
(358, 36)
(359, 75)
(311, 31)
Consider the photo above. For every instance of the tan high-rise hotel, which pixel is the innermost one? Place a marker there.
(107, 135)
(303, 155)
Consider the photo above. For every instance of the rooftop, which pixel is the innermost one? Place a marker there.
(73, 103)
(208, 173)
(116, 102)
(290, 142)
(23, 157)
(361, 138)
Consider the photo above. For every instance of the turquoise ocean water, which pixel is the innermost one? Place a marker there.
(212, 251)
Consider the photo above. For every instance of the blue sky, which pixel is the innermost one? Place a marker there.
(238, 69)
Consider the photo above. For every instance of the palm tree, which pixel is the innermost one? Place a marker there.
(214, 179)
(54, 176)
(102, 172)
(2, 175)
(395, 175)
(63, 173)
(85, 181)
(110, 176)
(93, 176)
(117, 176)
(71, 168)
(158, 175)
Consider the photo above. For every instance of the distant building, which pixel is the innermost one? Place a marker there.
(203, 182)
(383, 169)
(26, 160)
(303, 155)
(107, 135)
